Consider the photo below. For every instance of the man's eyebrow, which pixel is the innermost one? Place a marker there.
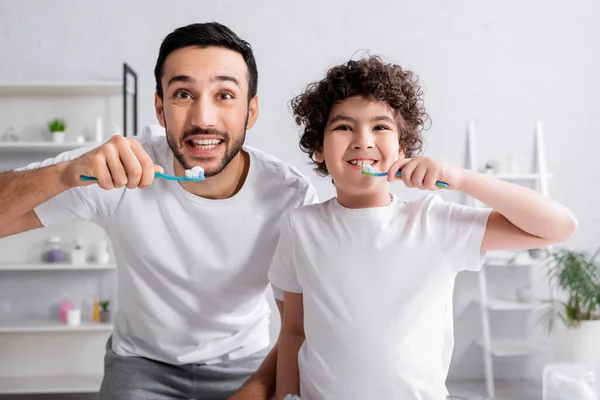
(180, 78)
(227, 78)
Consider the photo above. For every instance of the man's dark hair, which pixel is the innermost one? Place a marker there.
(210, 34)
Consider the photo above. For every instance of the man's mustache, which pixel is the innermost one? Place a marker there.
(202, 131)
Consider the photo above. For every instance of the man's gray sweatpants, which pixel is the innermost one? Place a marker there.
(138, 378)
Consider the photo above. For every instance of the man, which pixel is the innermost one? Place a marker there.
(192, 256)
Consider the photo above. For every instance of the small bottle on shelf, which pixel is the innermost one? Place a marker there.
(96, 310)
(53, 252)
(78, 254)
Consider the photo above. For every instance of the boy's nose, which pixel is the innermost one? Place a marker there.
(363, 140)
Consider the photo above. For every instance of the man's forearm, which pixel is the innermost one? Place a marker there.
(262, 383)
(22, 191)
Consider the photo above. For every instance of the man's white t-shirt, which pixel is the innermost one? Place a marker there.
(376, 285)
(192, 272)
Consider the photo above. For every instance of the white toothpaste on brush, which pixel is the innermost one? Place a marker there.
(195, 172)
(368, 168)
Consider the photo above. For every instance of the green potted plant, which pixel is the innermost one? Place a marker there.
(576, 318)
(105, 311)
(57, 129)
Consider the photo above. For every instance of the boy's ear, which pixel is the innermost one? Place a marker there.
(319, 156)
(401, 154)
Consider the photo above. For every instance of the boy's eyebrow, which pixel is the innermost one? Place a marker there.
(342, 117)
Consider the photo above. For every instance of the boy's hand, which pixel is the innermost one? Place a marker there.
(423, 172)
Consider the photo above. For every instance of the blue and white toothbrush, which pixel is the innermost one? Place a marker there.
(370, 171)
(193, 175)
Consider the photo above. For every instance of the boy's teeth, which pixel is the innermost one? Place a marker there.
(361, 163)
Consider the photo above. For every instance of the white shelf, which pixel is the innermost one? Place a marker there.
(45, 326)
(91, 88)
(507, 305)
(519, 177)
(50, 384)
(501, 263)
(56, 267)
(514, 348)
(38, 147)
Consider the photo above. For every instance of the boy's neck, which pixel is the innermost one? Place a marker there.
(222, 186)
(379, 198)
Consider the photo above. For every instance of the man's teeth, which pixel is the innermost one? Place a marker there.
(362, 163)
(206, 143)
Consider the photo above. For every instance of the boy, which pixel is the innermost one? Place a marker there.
(367, 276)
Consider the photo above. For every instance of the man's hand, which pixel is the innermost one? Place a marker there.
(117, 163)
(252, 390)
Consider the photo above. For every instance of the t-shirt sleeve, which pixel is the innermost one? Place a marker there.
(459, 230)
(282, 272)
(310, 195)
(75, 203)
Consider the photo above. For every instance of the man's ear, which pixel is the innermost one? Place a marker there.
(252, 112)
(160, 112)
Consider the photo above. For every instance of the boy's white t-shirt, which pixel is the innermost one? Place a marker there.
(377, 285)
(192, 272)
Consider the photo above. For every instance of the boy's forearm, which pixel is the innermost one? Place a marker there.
(288, 374)
(525, 208)
(22, 191)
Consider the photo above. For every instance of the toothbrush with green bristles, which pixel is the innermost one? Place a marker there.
(370, 171)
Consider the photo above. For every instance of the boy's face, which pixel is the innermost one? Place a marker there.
(359, 131)
(205, 107)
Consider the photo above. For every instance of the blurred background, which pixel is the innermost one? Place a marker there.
(511, 88)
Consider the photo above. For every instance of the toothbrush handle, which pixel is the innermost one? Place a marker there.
(439, 184)
(156, 175)
(170, 177)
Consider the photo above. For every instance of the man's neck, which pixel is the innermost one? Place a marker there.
(222, 186)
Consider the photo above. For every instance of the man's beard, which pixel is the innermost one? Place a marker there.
(231, 148)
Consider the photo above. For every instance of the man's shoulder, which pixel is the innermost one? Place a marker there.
(153, 143)
(274, 171)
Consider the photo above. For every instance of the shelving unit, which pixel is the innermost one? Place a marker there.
(92, 88)
(51, 384)
(491, 346)
(55, 267)
(37, 147)
(514, 348)
(41, 326)
(507, 305)
(127, 87)
(38, 353)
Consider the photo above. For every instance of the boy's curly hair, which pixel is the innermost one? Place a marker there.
(368, 77)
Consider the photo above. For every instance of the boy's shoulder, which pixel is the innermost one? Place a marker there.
(310, 212)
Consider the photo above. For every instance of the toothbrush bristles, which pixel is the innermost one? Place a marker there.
(195, 172)
(368, 168)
